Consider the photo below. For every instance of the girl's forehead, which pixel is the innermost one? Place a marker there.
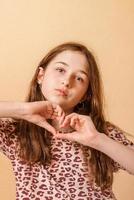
(70, 57)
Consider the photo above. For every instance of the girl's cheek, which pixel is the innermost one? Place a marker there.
(54, 73)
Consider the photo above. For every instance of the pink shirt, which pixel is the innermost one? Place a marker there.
(67, 178)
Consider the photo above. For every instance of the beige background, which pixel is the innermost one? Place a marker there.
(29, 28)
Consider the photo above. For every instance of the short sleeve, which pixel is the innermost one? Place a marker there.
(7, 128)
(119, 135)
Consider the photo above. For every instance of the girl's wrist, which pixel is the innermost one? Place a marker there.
(99, 141)
(18, 110)
(13, 109)
(21, 110)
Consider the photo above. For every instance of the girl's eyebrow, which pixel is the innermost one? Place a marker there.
(63, 63)
(83, 72)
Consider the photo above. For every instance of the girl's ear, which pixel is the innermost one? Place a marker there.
(40, 75)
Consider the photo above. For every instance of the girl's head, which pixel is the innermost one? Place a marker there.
(68, 75)
(65, 80)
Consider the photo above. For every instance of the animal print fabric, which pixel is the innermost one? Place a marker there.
(67, 178)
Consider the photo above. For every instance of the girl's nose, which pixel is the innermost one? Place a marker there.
(66, 82)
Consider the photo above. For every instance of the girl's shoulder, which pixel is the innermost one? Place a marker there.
(116, 133)
(8, 136)
(8, 125)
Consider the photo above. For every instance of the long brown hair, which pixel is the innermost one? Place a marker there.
(34, 140)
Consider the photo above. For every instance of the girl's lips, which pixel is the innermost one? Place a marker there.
(62, 92)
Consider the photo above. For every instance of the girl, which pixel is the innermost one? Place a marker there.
(59, 142)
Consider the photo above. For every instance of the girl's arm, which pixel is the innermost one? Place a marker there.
(120, 153)
(86, 134)
(12, 110)
(35, 112)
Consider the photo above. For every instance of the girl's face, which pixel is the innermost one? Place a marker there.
(65, 80)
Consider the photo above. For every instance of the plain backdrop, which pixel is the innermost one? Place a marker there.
(29, 28)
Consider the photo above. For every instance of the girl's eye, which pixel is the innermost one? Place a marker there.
(60, 69)
(80, 79)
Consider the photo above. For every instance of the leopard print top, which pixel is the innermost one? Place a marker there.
(67, 178)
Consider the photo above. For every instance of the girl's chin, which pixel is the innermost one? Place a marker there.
(65, 108)
(62, 103)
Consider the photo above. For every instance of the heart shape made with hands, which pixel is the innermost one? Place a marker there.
(78, 128)
(73, 122)
(63, 125)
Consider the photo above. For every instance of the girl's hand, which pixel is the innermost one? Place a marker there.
(84, 129)
(38, 112)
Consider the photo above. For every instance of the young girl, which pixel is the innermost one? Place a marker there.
(59, 142)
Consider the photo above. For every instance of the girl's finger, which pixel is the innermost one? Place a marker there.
(73, 121)
(62, 118)
(58, 110)
(47, 126)
(66, 136)
(41, 121)
(68, 119)
(53, 112)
